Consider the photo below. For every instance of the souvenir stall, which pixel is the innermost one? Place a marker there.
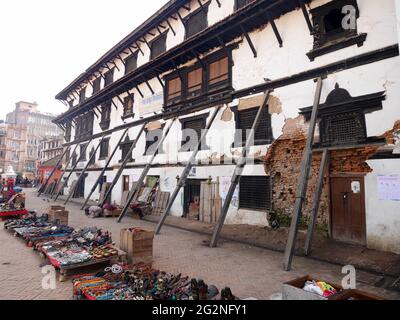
(141, 282)
(12, 198)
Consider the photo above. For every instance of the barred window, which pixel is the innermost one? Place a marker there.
(104, 148)
(263, 132)
(128, 106)
(92, 160)
(105, 115)
(158, 46)
(125, 147)
(255, 193)
(197, 124)
(196, 22)
(131, 63)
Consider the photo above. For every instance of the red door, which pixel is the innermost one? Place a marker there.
(348, 209)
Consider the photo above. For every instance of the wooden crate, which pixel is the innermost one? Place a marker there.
(160, 203)
(58, 215)
(210, 202)
(137, 245)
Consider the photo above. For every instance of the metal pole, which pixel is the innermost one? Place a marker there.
(72, 170)
(317, 199)
(43, 187)
(63, 173)
(186, 171)
(122, 167)
(104, 169)
(135, 194)
(72, 191)
(303, 182)
(237, 174)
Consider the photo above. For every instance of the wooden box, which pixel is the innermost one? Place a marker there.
(293, 290)
(138, 245)
(58, 215)
(355, 295)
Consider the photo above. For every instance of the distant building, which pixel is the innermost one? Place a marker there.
(13, 139)
(37, 126)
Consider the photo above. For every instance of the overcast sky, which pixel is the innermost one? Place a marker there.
(45, 44)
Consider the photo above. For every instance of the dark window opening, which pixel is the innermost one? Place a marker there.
(241, 3)
(84, 126)
(105, 115)
(102, 181)
(82, 156)
(71, 104)
(128, 106)
(196, 22)
(332, 30)
(131, 63)
(91, 154)
(82, 95)
(68, 131)
(196, 124)
(74, 159)
(104, 148)
(245, 120)
(96, 85)
(109, 78)
(158, 46)
(125, 147)
(255, 193)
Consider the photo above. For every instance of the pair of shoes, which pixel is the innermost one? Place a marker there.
(203, 290)
(226, 294)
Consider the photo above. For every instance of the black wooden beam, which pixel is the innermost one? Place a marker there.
(149, 86)
(276, 31)
(199, 60)
(122, 60)
(306, 16)
(120, 100)
(114, 104)
(172, 17)
(140, 92)
(139, 48)
(219, 4)
(170, 26)
(147, 43)
(186, 7)
(253, 49)
(160, 81)
(113, 62)
(151, 33)
(180, 18)
(221, 42)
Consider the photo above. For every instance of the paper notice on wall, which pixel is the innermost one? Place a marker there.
(151, 104)
(224, 185)
(389, 187)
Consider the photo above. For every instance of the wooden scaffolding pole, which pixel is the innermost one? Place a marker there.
(237, 174)
(44, 186)
(63, 173)
(186, 171)
(317, 198)
(303, 182)
(123, 165)
(100, 177)
(72, 191)
(134, 193)
(73, 169)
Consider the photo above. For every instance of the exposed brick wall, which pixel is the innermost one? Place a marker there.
(283, 162)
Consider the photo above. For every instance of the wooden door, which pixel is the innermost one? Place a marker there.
(348, 209)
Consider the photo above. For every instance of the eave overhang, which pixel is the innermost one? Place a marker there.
(250, 17)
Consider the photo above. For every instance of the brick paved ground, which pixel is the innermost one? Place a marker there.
(249, 271)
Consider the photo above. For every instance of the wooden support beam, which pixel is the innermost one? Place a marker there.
(123, 165)
(277, 34)
(113, 62)
(200, 4)
(303, 182)
(149, 86)
(237, 174)
(159, 30)
(187, 7)
(317, 198)
(73, 169)
(162, 26)
(253, 49)
(100, 177)
(140, 49)
(140, 92)
(59, 162)
(180, 18)
(63, 172)
(133, 196)
(306, 17)
(186, 171)
(160, 81)
(120, 100)
(114, 104)
(131, 95)
(219, 4)
(122, 60)
(221, 42)
(174, 18)
(93, 156)
(170, 26)
(151, 33)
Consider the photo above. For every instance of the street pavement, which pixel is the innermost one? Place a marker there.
(247, 270)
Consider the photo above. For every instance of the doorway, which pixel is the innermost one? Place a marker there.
(80, 189)
(348, 209)
(191, 202)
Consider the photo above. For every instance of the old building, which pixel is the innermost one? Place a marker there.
(50, 151)
(13, 140)
(193, 58)
(38, 126)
